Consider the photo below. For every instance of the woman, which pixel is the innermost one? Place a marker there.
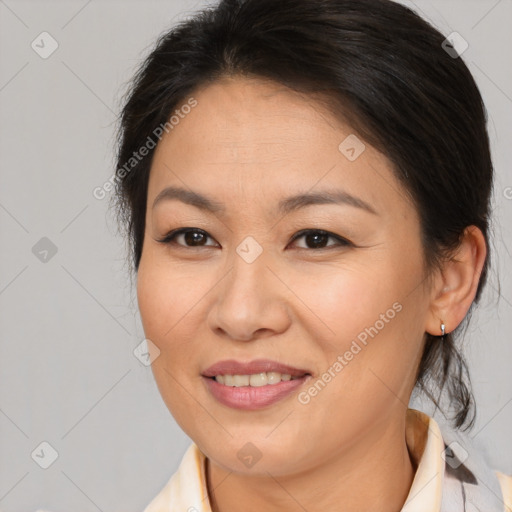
(305, 185)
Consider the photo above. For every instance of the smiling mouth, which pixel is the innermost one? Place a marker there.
(250, 392)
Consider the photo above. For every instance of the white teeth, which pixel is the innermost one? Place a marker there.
(254, 380)
(273, 377)
(258, 379)
(240, 380)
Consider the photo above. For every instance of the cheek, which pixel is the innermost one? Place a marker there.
(165, 296)
(155, 303)
(342, 301)
(369, 316)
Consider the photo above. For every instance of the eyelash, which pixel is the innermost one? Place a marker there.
(171, 236)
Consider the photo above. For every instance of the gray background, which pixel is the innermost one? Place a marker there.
(69, 325)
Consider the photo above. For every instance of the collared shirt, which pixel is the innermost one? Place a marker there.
(444, 480)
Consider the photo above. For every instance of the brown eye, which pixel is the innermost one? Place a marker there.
(187, 237)
(318, 239)
(194, 238)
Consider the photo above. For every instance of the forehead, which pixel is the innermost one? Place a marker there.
(254, 139)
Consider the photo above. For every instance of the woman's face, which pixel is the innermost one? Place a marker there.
(348, 307)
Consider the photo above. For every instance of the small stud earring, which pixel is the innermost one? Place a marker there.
(442, 329)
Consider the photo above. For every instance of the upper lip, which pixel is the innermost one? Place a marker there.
(233, 367)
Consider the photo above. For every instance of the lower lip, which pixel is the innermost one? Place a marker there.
(252, 398)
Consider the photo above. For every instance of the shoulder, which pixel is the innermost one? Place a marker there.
(506, 488)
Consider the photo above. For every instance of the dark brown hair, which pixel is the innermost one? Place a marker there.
(384, 70)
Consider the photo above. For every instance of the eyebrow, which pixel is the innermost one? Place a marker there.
(285, 206)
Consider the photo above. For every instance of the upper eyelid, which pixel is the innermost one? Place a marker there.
(304, 232)
(181, 231)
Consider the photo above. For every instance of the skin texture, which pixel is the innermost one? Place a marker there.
(248, 144)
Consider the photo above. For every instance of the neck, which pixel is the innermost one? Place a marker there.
(375, 473)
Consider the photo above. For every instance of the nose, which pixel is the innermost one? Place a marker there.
(250, 303)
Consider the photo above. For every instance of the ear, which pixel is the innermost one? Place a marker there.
(455, 286)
